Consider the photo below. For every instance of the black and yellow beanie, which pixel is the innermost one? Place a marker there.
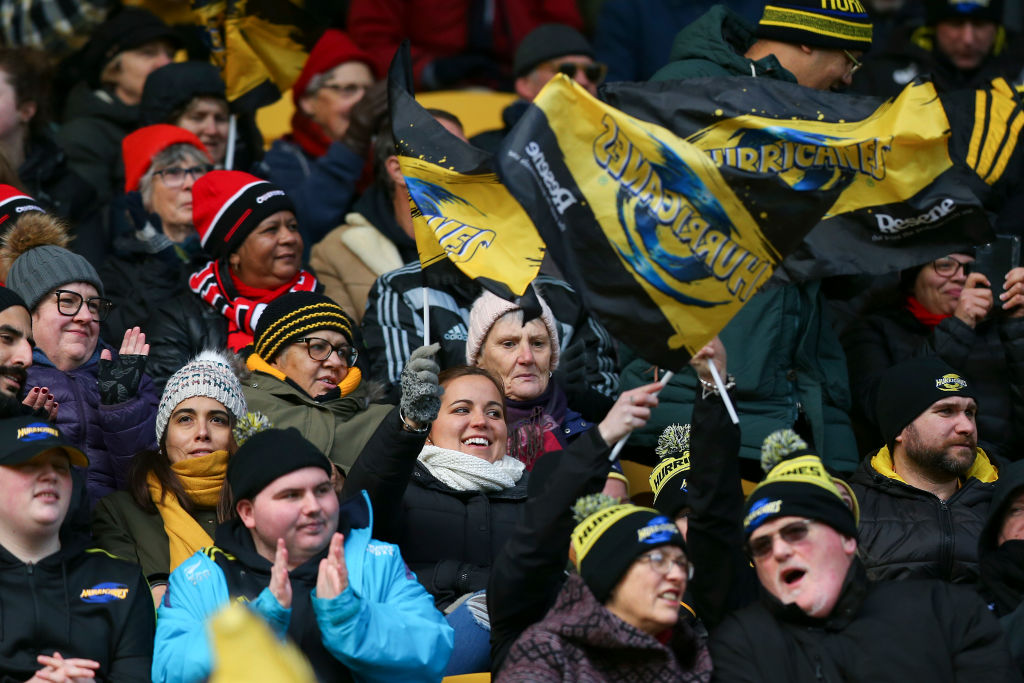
(669, 477)
(798, 486)
(611, 535)
(833, 24)
(907, 389)
(295, 315)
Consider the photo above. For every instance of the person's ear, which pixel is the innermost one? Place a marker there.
(394, 169)
(849, 546)
(244, 509)
(27, 111)
(306, 105)
(806, 49)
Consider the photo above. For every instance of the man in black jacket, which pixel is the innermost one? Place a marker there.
(924, 496)
(821, 619)
(67, 611)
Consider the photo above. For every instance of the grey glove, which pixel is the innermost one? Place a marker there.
(421, 395)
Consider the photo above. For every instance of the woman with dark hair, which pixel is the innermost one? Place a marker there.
(170, 508)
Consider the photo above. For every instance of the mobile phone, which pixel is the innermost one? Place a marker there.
(994, 260)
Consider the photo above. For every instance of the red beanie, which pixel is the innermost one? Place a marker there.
(13, 203)
(333, 48)
(139, 148)
(228, 205)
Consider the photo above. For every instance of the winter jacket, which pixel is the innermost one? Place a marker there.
(382, 627)
(713, 46)
(110, 435)
(990, 355)
(179, 329)
(122, 528)
(878, 631)
(907, 533)
(393, 327)
(95, 122)
(352, 256)
(449, 538)
(80, 602)
(338, 427)
(789, 368)
(580, 640)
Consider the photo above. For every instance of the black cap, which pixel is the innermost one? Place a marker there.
(547, 42)
(8, 298)
(129, 28)
(23, 438)
(270, 454)
(984, 10)
(908, 388)
(173, 86)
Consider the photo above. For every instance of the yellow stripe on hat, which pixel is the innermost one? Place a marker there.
(816, 23)
(303, 319)
(587, 532)
(665, 469)
(806, 469)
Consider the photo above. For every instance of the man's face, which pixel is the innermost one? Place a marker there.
(529, 85)
(301, 507)
(808, 572)
(966, 42)
(34, 496)
(15, 349)
(1013, 520)
(827, 69)
(943, 440)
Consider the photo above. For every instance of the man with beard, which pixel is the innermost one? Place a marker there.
(15, 357)
(924, 496)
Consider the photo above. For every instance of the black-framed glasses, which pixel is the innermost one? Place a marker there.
(69, 303)
(855, 64)
(947, 266)
(321, 349)
(174, 176)
(794, 532)
(662, 563)
(595, 71)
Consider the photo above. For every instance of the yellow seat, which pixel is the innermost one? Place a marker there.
(479, 110)
(484, 677)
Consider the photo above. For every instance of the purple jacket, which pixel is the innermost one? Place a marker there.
(109, 435)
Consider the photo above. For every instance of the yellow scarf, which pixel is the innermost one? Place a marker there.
(202, 478)
(347, 386)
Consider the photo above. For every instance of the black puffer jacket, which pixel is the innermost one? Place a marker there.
(178, 330)
(907, 533)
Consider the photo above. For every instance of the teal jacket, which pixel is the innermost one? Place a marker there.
(713, 46)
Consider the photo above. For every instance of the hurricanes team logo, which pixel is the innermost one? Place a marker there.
(104, 592)
(950, 382)
(459, 240)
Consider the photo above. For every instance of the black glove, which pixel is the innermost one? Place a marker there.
(119, 379)
(421, 395)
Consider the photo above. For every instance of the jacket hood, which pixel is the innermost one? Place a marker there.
(983, 470)
(1010, 483)
(83, 102)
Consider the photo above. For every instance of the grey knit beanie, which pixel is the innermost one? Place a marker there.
(43, 269)
(208, 374)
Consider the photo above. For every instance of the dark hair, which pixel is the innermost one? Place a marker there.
(447, 116)
(29, 73)
(384, 147)
(453, 373)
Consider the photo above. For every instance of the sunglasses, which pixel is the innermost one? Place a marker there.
(793, 532)
(595, 71)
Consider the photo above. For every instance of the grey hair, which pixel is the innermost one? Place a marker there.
(168, 156)
(317, 81)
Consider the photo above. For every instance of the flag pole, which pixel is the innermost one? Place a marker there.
(426, 315)
(229, 156)
(723, 393)
(622, 442)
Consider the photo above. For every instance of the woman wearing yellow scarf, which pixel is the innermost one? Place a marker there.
(170, 509)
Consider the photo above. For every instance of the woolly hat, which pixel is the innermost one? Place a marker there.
(907, 389)
(610, 536)
(8, 298)
(486, 311)
(798, 486)
(172, 87)
(985, 10)
(270, 454)
(547, 42)
(842, 25)
(228, 205)
(294, 315)
(208, 374)
(127, 29)
(333, 48)
(38, 261)
(140, 146)
(13, 203)
(668, 478)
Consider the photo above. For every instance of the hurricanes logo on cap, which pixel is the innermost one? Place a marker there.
(658, 530)
(36, 432)
(950, 382)
(759, 511)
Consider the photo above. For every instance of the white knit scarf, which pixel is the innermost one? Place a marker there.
(464, 472)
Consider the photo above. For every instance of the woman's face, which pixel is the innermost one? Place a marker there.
(331, 105)
(207, 117)
(272, 253)
(67, 340)
(315, 377)
(940, 293)
(648, 598)
(471, 419)
(173, 201)
(198, 426)
(134, 66)
(520, 356)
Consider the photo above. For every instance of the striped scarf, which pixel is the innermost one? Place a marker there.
(214, 286)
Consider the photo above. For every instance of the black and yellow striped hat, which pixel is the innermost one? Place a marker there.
(295, 315)
(835, 24)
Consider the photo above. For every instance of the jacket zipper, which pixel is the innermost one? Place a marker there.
(947, 540)
(35, 604)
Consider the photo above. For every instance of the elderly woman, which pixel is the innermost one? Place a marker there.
(248, 227)
(154, 241)
(170, 509)
(944, 309)
(107, 403)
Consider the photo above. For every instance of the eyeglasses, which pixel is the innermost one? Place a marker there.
(662, 563)
(321, 349)
(595, 71)
(793, 532)
(69, 303)
(174, 176)
(855, 64)
(346, 90)
(947, 266)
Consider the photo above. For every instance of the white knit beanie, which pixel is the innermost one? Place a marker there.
(208, 374)
(488, 309)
